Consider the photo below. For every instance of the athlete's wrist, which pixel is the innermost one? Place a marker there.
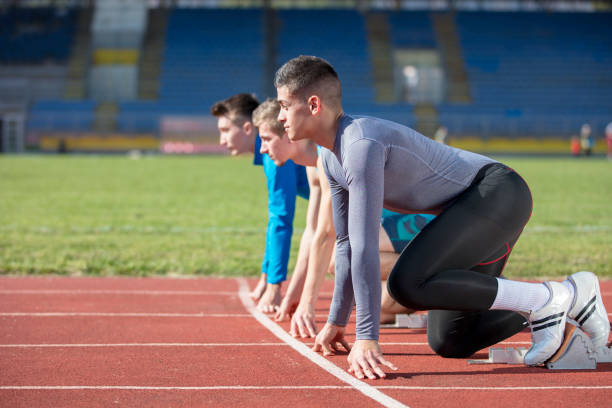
(335, 324)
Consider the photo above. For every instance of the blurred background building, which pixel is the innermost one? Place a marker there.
(117, 75)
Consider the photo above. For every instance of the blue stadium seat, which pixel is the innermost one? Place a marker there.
(62, 116)
(212, 53)
(531, 73)
(542, 73)
(35, 35)
(341, 39)
(411, 29)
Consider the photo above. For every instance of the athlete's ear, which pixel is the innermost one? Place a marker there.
(248, 127)
(314, 104)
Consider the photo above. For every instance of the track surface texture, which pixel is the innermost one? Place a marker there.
(161, 342)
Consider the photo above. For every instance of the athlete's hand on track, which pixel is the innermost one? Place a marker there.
(256, 293)
(365, 360)
(329, 338)
(271, 298)
(286, 309)
(303, 321)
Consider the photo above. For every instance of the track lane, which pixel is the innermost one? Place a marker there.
(79, 330)
(423, 380)
(220, 375)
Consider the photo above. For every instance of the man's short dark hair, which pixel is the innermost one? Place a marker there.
(235, 107)
(304, 73)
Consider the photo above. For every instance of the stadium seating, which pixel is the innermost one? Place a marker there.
(34, 47)
(530, 73)
(55, 115)
(411, 29)
(534, 73)
(35, 35)
(210, 54)
(340, 38)
(145, 116)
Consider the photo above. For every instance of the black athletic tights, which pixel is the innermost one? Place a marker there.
(449, 268)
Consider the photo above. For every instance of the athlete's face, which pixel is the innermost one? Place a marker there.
(233, 136)
(275, 145)
(295, 115)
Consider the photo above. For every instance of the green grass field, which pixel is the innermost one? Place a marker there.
(112, 215)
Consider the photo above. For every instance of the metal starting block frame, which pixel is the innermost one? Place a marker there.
(498, 355)
(409, 321)
(576, 353)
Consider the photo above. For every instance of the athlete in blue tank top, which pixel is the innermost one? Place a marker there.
(285, 183)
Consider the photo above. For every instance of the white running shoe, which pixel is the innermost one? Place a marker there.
(588, 309)
(547, 325)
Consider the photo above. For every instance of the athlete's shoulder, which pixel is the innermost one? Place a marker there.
(325, 154)
(370, 127)
(352, 128)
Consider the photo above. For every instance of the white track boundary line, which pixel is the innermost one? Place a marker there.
(138, 292)
(121, 292)
(399, 343)
(85, 345)
(301, 348)
(104, 314)
(204, 388)
(134, 292)
(113, 292)
(493, 388)
(295, 387)
(100, 314)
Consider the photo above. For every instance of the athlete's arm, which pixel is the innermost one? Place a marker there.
(365, 176)
(364, 169)
(282, 193)
(303, 320)
(342, 300)
(332, 334)
(292, 298)
(364, 166)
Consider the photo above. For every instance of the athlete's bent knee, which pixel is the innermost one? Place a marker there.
(450, 348)
(404, 290)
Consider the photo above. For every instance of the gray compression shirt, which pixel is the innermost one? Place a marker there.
(376, 163)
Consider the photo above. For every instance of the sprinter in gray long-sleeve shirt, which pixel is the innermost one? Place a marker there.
(452, 266)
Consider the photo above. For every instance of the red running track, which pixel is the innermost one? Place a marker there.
(98, 342)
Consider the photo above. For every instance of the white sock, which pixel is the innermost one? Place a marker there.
(572, 290)
(520, 296)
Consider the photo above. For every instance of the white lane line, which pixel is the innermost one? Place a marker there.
(214, 388)
(114, 292)
(399, 343)
(97, 314)
(304, 350)
(122, 292)
(104, 314)
(296, 387)
(85, 345)
(560, 387)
